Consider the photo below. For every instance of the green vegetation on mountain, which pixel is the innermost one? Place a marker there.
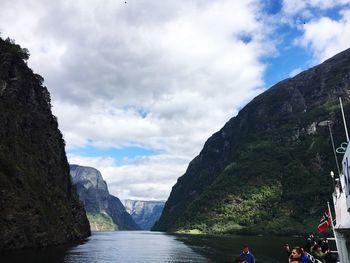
(267, 170)
(101, 222)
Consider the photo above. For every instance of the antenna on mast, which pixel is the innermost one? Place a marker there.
(342, 112)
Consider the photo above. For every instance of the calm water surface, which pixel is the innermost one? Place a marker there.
(147, 247)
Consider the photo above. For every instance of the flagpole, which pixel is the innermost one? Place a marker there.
(335, 236)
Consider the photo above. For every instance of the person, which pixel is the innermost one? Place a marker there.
(318, 254)
(295, 256)
(323, 243)
(310, 242)
(247, 255)
(287, 248)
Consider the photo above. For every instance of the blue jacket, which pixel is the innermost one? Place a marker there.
(249, 257)
(304, 259)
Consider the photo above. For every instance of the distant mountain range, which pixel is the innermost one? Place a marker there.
(105, 212)
(144, 213)
(267, 170)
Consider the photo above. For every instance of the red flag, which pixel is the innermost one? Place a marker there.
(325, 222)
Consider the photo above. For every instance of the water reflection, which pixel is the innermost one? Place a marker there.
(133, 247)
(146, 247)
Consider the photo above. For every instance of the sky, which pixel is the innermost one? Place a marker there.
(138, 86)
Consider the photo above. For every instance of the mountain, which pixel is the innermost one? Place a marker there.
(144, 213)
(267, 170)
(38, 206)
(105, 211)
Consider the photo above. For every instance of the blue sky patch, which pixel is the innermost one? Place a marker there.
(272, 7)
(140, 111)
(118, 153)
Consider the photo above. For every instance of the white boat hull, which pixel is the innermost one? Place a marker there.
(343, 243)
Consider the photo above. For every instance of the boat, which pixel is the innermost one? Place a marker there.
(341, 199)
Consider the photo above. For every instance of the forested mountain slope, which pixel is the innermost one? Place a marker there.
(267, 170)
(38, 205)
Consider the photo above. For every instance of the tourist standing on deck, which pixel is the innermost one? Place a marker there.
(247, 255)
(296, 255)
(317, 253)
(310, 242)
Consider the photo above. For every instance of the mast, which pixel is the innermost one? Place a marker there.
(334, 234)
(346, 129)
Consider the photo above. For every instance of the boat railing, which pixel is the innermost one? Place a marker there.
(333, 252)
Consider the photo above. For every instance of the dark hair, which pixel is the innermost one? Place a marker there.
(298, 249)
(315, 247)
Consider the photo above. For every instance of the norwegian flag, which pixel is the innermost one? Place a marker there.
(325, 222)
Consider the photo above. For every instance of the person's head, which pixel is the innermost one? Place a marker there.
(296, 252)
(245, 249)
(316, 248)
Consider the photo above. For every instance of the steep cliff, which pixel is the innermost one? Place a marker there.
(266, 170)
(38, 206)
(144, 213)
(105, 211)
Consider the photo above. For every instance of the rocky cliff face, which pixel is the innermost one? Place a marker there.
(266, 170)
(38, 206)
(144, 213)
(99, 204)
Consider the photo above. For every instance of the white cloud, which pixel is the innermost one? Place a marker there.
(185, 65)
(327, 37)
(293, 6)
(298, 7)
(143, 178)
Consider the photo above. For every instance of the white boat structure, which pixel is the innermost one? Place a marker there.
(341, 200)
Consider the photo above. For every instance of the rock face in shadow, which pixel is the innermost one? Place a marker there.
(266, 170)
(93, 192)
(38, 206)
(144, 213)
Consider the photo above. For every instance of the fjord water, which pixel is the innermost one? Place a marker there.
(147, 247)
